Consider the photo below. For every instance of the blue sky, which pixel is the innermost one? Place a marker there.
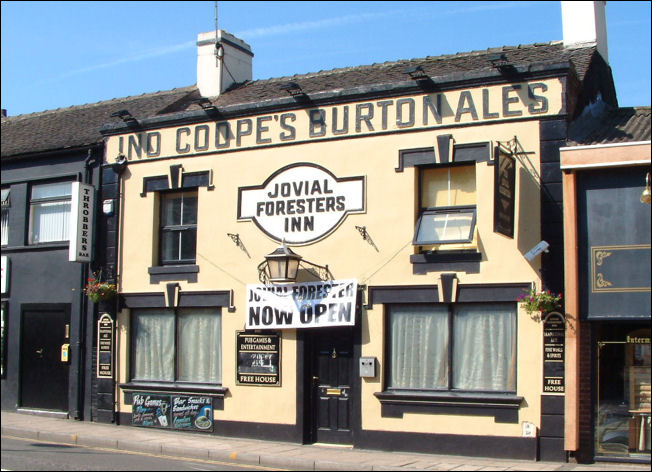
(58, 54)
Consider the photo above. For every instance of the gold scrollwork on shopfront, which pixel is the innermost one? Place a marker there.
(616, 264)
(601, 256)
(601, 282)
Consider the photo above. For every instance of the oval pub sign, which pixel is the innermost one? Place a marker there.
(301, 203)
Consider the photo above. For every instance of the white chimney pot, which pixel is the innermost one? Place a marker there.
(585, 24)
(215, 76)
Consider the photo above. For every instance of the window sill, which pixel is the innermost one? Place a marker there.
(175, 387)
(187, 272)
(502, 406)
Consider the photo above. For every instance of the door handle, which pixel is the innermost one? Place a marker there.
(39, 351)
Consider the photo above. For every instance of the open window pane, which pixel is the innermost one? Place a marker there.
(445, 226)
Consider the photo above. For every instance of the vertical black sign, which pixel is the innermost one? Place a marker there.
(504, 193)
(105, 346)
(258, 359)
(554, 339)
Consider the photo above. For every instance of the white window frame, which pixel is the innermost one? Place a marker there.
(35, 203)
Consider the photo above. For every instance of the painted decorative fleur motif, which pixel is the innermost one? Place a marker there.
(601, 282)
(601, 256)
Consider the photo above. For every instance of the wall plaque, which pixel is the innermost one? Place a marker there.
(258, 357)
(105, 347)
(554, 339)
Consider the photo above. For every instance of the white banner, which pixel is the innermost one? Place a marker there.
(81, 222)
(305, 305)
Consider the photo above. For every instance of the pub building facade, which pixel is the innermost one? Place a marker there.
(606, 178)
(409, 205)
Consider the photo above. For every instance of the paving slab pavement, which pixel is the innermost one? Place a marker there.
(267, 453)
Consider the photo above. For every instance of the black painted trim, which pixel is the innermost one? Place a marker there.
(503, 407)
(467, 152)
(217, 391)
(213, 298)
(469, 255)
(187, 272)
(507, 292)
(503, 447)
(159, 183)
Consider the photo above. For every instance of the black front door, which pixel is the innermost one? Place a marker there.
(332, 370)
(43, 375)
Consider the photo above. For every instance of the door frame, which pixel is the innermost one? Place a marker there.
(305, 404)
(45, 307)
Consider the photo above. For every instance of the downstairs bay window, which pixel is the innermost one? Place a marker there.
(452, 348)
(182, 345)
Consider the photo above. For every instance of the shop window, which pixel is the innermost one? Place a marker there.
(49, 212)
(622, 420)
(447, 203)
(5, 216)
(459, 347)
(178, 228)
(183, 345)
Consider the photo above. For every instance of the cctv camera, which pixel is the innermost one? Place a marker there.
(536, 250)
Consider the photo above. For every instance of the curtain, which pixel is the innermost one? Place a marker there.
(484, 347)
(5, 226)
(50, 221)
(419, 346)
(200, 346)
(154, 345)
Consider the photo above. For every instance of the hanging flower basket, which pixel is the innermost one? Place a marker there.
(538, 304)
(99, 291)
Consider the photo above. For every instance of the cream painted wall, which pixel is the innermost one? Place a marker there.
(389, 220)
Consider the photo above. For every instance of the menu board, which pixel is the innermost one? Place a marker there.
(258, 358)
(191, 412)
(151, 410)
(184, 412)
(554, 338)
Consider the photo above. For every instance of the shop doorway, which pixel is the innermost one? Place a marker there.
(622, 420)
(43, 374)
(331, 382)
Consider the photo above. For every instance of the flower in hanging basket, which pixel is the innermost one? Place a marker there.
(537, 304)
(97, 290)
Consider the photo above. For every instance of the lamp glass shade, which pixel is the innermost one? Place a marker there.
(283, 264)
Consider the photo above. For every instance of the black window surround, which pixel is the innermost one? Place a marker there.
(199, 299)
(176, 180)
(394, 403)
(425, 157)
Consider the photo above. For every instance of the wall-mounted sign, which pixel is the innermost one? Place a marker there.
(354, 119)
(306, 305)
(105, 347)
(504, 193)
(151, 410)
(182, 412)
(554, 339)
(5, 275)
(301, 203)
(258, 359)
(192, 412)
(82, 210)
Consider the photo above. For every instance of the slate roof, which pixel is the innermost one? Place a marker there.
(79, 126)
(611, 126)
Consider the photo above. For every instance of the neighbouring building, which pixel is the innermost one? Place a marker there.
(48, 159)
(606, 178)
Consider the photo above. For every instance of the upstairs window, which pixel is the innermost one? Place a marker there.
(447, 203)
(178, 229)
(5, 216)
(49, 212)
